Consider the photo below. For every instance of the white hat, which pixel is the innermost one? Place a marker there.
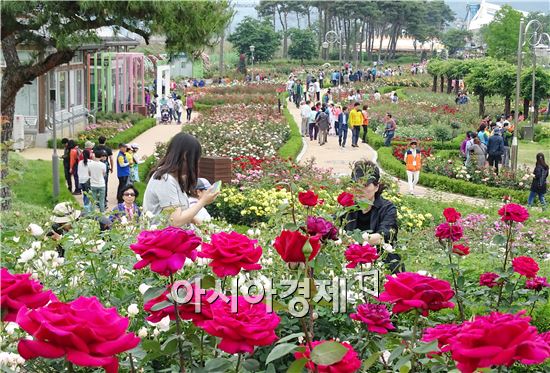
(88, 144)
(63, 213)
(134, 146)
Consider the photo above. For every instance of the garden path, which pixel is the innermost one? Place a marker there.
(331, 156)
(147, 141)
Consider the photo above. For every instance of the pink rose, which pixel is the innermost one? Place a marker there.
(446, 231)
(308, 198)
(83, 331)
(443, 333)
(319, 226)
(350, 363)
(243, 330)
(165, 250)
(346, 199)
(19, 290)
(375, 316)
(489, 279)
(357, 254)
(461, 250)
(230, 252)
(497, 340)
(451, 215)
(197, 309)
(409, 290)
(537, 283)
(525, 266)
(513, 212)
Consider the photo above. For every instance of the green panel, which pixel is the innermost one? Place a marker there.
(109, 83)
(95, 82)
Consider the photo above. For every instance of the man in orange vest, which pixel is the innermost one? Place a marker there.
(413, 164)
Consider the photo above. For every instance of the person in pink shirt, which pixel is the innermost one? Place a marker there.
(189, 105)
(335, 112)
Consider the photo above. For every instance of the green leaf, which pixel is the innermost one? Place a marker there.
(217, 365)
(279, 351)
(371, 360)
(499, 240)
(152, 293)
(406, 359)
(170, 344)
(208, 282)
(328, 353)
(396, 353)
(150, 345)
(251, 365)
(424, 348)
(297, 366)
(162, 305)
(289, 337)
(270, 369)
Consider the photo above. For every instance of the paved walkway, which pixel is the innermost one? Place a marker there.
(331, 156)
(147, 142)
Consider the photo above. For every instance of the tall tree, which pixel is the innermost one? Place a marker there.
(57, 29)
(455, 40)
(260, 34)
(303, 46)
(501, 35)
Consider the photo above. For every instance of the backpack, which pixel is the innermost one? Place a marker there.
(177, 105)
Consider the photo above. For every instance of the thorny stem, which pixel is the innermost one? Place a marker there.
(507, 253)
(458, 300)
(238, 363)
(132, 368)
(414, 339)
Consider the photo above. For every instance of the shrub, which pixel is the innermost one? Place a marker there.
(442, 133)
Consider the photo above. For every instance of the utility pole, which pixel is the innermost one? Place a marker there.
(514, 149)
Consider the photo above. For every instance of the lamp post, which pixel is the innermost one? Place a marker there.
(527, 34)
(252, 55)
(325, 49)
(332, 37)
(55, 157)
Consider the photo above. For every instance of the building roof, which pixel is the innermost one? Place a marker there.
(485, 15)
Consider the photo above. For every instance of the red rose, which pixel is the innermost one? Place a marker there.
(346, 199)
(461, 250)
(82, 331)
(451, 215)
(411, 290)
(489, 279)
(357, 254)
(446, 231)
(525, 266)
(537, 283)
(165, 250)
(290, 245)
(241, 331)
(375, 316)
(513, 212)
(197, 309)
(19, 290)
(497, 340)
(443, 333)
(308, 198)
(350, 363)
(230, 252)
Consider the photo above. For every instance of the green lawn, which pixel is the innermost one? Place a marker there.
(528, 151)
(31, 182)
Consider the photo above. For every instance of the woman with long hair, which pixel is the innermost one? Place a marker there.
(538, 186)
(83, 173)
(173, 179)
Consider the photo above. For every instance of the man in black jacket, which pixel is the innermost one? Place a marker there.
(379, 218)
(495, 149)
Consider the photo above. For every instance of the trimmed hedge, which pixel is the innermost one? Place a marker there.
(123, 137)
(293, 145)
(394, 167)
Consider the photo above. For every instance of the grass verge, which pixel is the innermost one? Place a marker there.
(293, 146)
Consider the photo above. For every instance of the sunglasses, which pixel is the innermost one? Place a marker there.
(129, 194)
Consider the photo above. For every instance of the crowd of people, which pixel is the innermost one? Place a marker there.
(171, 106)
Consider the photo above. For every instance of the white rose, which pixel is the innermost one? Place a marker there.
(37, 245)
(35, 230)
(142, 332)
(11, 327)
(338, 242)
(365, 236)
(123, 220)
(164, 324)
(423, 273)
(143, 288)
(15, 239)
(99, 244)
(133, 309)
(149, 215)
(389, 248)
(73, 281)
(156, 332)
(26, 256)
(250, 232)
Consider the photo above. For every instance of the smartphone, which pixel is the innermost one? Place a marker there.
(217, 186)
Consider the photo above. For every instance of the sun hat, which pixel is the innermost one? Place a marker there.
(134, 146)
(88, 144)
(413, 142)
(202, 184)
(63, 213)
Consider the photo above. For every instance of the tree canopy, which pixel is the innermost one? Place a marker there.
(501, 35)
(260, 34)
(303, 45)
(455, 39)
